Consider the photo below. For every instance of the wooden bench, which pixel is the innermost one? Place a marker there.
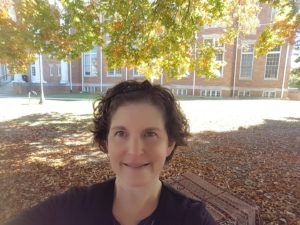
(224, 207)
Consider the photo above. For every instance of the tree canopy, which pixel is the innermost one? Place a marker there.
(157, 37)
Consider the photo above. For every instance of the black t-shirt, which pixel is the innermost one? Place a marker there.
(93, 206)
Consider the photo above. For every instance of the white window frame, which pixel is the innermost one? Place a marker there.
(211, 93)
(246, 53)
(216, 46)
(136, 73)
(278, 66)
(268, 94)
(179, 91)
(243, 93)
(33, 70)
(89, 89)
(93, 52)
(116, 73)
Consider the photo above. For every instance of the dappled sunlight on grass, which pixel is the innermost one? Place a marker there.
(57, 156)
(92, 157)
(42, 154)
(46, 153)
(77, 139)
(51, 162)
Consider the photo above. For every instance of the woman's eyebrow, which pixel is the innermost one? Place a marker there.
(118, 128)
(153, 129)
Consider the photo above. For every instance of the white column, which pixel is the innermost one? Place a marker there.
(36, 78)
(18, 78)
(162, 80)
(235, 65)
(101, 69)
(284, 72)
(195, 57)
(64, 72)
(82, 70)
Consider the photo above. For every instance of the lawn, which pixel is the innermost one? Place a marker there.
(44, 150)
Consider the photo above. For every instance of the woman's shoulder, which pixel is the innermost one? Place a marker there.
(103, 189)
(187, 210)
(80, 197)
(180, 198)
(78, 204)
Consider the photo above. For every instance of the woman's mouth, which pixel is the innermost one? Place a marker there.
(136, 165)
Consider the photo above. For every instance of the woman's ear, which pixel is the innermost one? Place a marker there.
(171, 147)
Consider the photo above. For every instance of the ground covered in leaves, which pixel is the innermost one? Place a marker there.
(45, 154)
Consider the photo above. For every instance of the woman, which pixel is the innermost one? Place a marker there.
(139, 125)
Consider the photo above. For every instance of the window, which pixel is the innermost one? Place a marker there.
(219, 58)
(218, 44)
(90, 63)
(32, 69)
(269, 94)
(179, 91)
(89, 89)
(247, 61)
(136, 73)
(214, 42)
(210, 93)
(209, 41)
(114, 73)
(272, 63)
(51, 70)
(244, 93)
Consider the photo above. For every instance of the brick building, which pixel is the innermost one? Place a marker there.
(243, 75)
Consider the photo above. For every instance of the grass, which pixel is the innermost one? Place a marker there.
(88, 96)
(93, 96)
(74, 95)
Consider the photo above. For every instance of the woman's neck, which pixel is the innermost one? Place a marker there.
(132, 204)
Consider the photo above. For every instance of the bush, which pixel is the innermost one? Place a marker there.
(294, 80)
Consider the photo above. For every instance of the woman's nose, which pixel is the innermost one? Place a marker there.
(135, 145)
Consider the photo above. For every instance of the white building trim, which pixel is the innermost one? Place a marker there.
(64, 72)
(35, 70)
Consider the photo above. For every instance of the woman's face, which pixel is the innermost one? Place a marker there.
(138, 144)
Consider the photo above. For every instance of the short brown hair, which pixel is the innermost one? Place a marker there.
(132, 91)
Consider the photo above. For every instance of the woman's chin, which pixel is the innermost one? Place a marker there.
(136, 181)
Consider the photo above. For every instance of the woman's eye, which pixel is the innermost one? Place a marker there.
(150, 134)
(120, 133)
